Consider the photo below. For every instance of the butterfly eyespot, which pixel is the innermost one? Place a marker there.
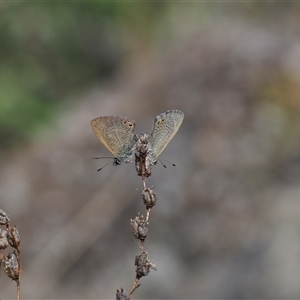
(125, 122)
(163, 120)
(130, 124)
(158, 122)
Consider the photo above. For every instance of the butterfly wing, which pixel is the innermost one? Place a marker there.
(115, 133)
(165, 127)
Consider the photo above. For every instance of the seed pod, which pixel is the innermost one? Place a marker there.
(4, 218)
(11, 266)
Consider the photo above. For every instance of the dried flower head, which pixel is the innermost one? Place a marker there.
(143, 265)
(4, 218)
(121, 294)
(3, 239)
(149, 197)
(11, 266)
(143, 156)
(139, 227)
(13, 237)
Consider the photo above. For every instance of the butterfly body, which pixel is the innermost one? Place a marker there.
(117, 135)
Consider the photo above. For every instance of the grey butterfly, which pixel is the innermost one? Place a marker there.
(117, 134)
(165, 127)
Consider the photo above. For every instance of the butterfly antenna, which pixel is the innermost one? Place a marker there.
(103, 167)
(162, 163)
(167, 162)
(105, 164)
(102, 157)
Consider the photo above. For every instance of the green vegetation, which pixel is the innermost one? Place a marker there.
(49, 48)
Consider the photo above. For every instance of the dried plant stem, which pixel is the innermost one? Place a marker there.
(139, 224)
(20, 272)
(134, 287)
(11, 262)
(148, 209)
(16, 245)
(148, 214)
(18, 290)
(135, 284)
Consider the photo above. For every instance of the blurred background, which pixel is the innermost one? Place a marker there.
(227, 220)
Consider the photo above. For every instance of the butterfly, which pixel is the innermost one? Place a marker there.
(117, 134)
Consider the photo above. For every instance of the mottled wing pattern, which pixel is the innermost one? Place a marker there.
(165, 127)
(116, 134)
